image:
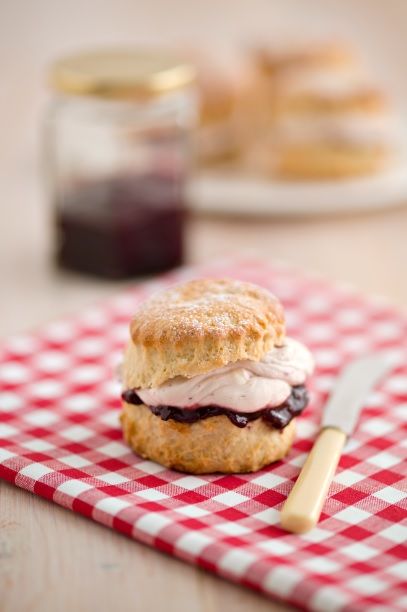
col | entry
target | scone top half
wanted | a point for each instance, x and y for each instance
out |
(198, 327)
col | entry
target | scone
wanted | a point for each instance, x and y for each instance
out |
(278, 58)
(211, 382)
(280, 72)
(335, 132)
(321, 118)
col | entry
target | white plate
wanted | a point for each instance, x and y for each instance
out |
(230, 194)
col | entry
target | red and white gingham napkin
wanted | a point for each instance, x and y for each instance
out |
(60, 438)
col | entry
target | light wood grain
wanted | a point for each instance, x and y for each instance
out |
(52, 560)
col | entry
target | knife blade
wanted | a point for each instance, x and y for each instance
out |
(303, 506)
(343, 407)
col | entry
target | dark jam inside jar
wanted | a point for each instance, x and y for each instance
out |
(123, 226)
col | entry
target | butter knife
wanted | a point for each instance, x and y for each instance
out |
(303, 507)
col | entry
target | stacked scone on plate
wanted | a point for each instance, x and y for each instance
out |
(211, 382)
(319, 114)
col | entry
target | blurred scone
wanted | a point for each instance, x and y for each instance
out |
(280, 58)
(211, 383)
(277, 70)
(319, 117)
(332, 134)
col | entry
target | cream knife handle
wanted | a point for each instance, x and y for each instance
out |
(303, 507)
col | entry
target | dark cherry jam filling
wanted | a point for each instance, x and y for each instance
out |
(277, 417)
(123, 226)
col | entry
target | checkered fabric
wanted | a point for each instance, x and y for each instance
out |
(60, 438)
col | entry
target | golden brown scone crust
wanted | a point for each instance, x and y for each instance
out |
(330, 161)
(207, 446)
(199, 326)
(332, 55)
(364, 99)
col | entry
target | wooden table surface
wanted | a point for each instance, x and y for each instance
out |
(52, 559)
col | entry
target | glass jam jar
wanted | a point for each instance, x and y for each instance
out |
(117, 155)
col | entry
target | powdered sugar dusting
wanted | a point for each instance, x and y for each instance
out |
(202, 307)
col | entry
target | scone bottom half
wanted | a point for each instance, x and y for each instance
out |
(210, 382)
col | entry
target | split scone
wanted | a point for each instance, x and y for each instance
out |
(211, 383)
(321, 118)
(332, 131)
(282, 75)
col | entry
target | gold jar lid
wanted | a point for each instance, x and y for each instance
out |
(121, 73)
